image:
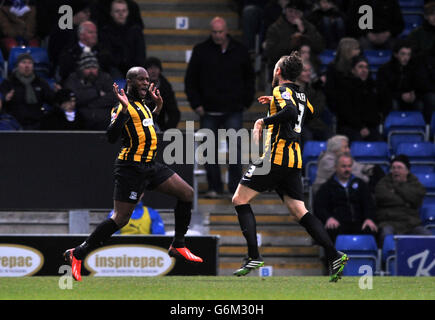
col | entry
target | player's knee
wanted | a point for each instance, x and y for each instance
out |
(121, 220)
(187, 194)
(238, 200)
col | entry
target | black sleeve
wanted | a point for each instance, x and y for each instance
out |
(288, 114)
(119, 119)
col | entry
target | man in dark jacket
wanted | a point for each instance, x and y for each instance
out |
(220, 85)
(423, 37)
(387, 23)
(94, 92)
(357, 110)
(344, 203)
(396, 80)
(286, 34)
(125, 40)
(169, 116)
(87, 40)
(27, 97)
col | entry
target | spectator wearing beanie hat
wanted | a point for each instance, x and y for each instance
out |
(26, 95)
(399, 196)
(93, 90)
(169, 115)
(64, 115)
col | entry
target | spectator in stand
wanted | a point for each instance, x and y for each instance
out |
(426, 82)
(94, 92)
(27, 97)
(329, 21)
(220, 85)
(272, 11)
(62, 38)
(397, 80)
(399, 196)
(253, 22)
(124, 40)
(87, 40)
(306, 56)
(101, 13)
(388, 23)
(339, 69)
(169, 116)
(17, 24)
(423, 37)
(64, 115)
(285, 35)
(344, 203)
(316, 128)
(336, 145)
(358, 112)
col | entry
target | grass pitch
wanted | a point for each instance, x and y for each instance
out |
(217, 288)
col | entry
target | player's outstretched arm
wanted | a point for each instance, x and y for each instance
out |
(118, 116)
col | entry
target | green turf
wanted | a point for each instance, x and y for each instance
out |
(217, 288)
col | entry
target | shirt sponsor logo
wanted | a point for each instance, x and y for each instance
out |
(147, 122)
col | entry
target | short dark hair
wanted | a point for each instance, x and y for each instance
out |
(401, 43)
(291, 66)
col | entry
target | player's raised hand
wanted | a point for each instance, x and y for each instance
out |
(122, 97)
(157, 98)
(265, 99)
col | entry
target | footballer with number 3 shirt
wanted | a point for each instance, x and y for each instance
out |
(288, 108)
(136, 170)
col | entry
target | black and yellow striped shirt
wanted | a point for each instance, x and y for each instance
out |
(287, 112)
(136, 127)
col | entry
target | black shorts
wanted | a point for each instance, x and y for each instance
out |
(284, 180)
(132, 178)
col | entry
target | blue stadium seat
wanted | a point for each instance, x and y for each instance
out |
(326, 57)
(39, 55)
(398, 138)
(412, 21)
(372, 152)
(389, 254)
(404, 123)
(428, 180)
(411, 6)
(432, 126)
(310, 153)
(427, 214)
(361, 249)
(312, 150)
(421, 155)
(121, 83)
(376, 58)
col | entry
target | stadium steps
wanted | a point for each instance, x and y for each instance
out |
(173, 46)
(285, 245)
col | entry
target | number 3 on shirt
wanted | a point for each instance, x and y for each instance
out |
(298, 123)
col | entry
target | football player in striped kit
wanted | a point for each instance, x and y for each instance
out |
(288, 108)
(136, 170)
